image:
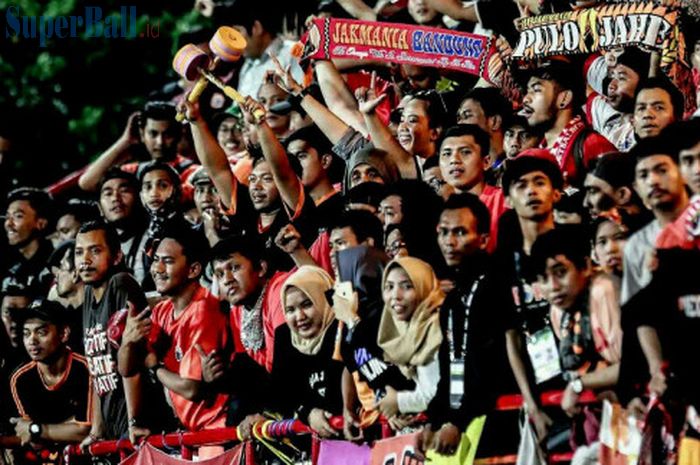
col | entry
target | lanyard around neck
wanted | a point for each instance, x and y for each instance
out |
(450, 325)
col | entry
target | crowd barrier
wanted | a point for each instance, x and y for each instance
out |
(186, 442)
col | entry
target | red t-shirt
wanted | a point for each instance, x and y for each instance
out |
(495, 201)
(203, 323)
(272, 316)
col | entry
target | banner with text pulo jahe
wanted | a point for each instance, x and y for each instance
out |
(645, 25)
(329, 38)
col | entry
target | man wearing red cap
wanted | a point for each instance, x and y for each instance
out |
(550, 107)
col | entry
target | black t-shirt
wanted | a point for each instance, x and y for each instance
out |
(528, 309)
(671, 305)
(101, 354)
(246, 221)
(33, 271)
(328, 211)
(362, 354)
(486, 370)
(69, 398)
(305, 382)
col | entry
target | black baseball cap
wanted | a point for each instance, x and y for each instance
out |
(45, 310)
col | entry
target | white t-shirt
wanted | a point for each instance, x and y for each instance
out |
(254, 69)
(615, 126)
(636, 274)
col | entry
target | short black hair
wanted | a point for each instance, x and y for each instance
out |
(682, 135)
(81, 210)
(480, 136)
(568, 240)
(159, 111)
(194, 244)
(654, 145)
(664, 84)
(313, 136)
(364, 225)
(247, 245)
(431, 162)
(116, 172)
(40, 201)
(111, 236)
(475, 205)
(60, 251)
(491, 101)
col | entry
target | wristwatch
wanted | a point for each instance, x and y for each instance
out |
(35, 430)
(576, 385)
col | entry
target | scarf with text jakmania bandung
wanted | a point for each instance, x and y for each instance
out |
(328, 38)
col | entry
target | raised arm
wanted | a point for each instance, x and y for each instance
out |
(285, 178)
(211, 154)
(380, 134)
(333, 127)
(337, 95)
(358, 9)
(454, 9)
(119, 151)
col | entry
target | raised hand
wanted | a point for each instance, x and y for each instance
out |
(131, 133)
(138, 325)
(367, 97)
(250, 107)
(286, 81)
(288, 239)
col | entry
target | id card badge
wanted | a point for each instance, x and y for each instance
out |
(544, 356)
(456, 383)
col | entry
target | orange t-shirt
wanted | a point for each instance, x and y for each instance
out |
(272, 316)
(202, 322)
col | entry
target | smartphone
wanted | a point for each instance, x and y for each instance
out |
(344, 289)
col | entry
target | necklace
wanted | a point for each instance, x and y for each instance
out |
(252, 335)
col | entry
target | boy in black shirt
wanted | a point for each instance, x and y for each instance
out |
(53, 393)
(532, 182)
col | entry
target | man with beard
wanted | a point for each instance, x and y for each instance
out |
(152, 133)
(660, 184)
(108, 290)
(612, 117)
(27, 223)
(121, 209)
(553, 95)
